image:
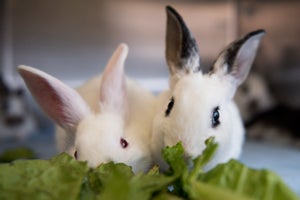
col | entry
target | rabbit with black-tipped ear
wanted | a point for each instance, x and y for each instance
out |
(199, 105)
(106, 119)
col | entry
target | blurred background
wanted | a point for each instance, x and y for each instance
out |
(73, 39)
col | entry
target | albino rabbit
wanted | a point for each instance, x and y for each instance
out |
(103, 122)
(199, 105)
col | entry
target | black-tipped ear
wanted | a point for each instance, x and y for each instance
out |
(236, 60)
(182, 52)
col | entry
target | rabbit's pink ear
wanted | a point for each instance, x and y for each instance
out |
(113, 94)
(182, 52)
(235, 61)
(59, 101)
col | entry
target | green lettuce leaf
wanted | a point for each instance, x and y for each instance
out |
(62, 177)
(202, 190)
(117, 181)
(15, 154)
(231, 180)
(257, 184)
(174, 156)
(58, 178)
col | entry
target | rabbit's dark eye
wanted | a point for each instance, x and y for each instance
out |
(124, 143)
(170, 106)
(215, 120)
(75, 155)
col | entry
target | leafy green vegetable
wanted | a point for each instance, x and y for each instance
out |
(231, 180)
(175, 158)
(58, 178)
(62, 177)
(117, 181)
(257, 184)
(17, 153)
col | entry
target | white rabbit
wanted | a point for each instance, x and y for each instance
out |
(103, 122)
(199, 105)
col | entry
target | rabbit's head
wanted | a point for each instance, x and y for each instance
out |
(99, 137)
(200, 105)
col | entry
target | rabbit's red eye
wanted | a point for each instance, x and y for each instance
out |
(75, 155)
(123, 143)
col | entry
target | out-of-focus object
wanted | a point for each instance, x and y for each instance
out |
(279, 57)
(253, 97)
(277, 125)
(16, 118)
(285, 86)
(17, 153)
(266, 118)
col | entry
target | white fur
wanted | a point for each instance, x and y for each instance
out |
(96, 136)
(196, 95)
